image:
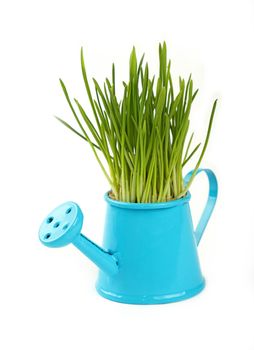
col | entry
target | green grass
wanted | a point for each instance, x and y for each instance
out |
(143, 137)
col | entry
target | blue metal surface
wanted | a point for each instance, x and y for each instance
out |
(63, 225)
(149, 253)
(211, 200)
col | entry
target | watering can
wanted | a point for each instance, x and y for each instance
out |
(149, 252)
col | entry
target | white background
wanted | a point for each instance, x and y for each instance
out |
(47, 297)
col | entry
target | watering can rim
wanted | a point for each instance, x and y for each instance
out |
(138, 206)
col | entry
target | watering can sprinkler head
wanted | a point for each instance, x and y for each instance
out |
(63, 226)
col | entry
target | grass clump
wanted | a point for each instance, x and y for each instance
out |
(142, 136)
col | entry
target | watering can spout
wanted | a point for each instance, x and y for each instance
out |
(62, 227)
(105, 260)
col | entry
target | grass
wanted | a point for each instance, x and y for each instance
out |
(143, 137)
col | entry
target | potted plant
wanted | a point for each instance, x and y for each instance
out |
(149, 251)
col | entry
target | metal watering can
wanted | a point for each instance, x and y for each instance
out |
(149, 253)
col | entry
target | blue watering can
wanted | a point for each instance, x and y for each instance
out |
(149, 253)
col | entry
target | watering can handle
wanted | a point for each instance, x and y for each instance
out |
(211, 200)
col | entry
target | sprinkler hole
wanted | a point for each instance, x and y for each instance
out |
(50, 219)
(47, 235)
(65, 226)
(68, 211)
(56, 224)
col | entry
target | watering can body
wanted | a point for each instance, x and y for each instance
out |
(149, 252)
(156, 252)
(156, 248)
